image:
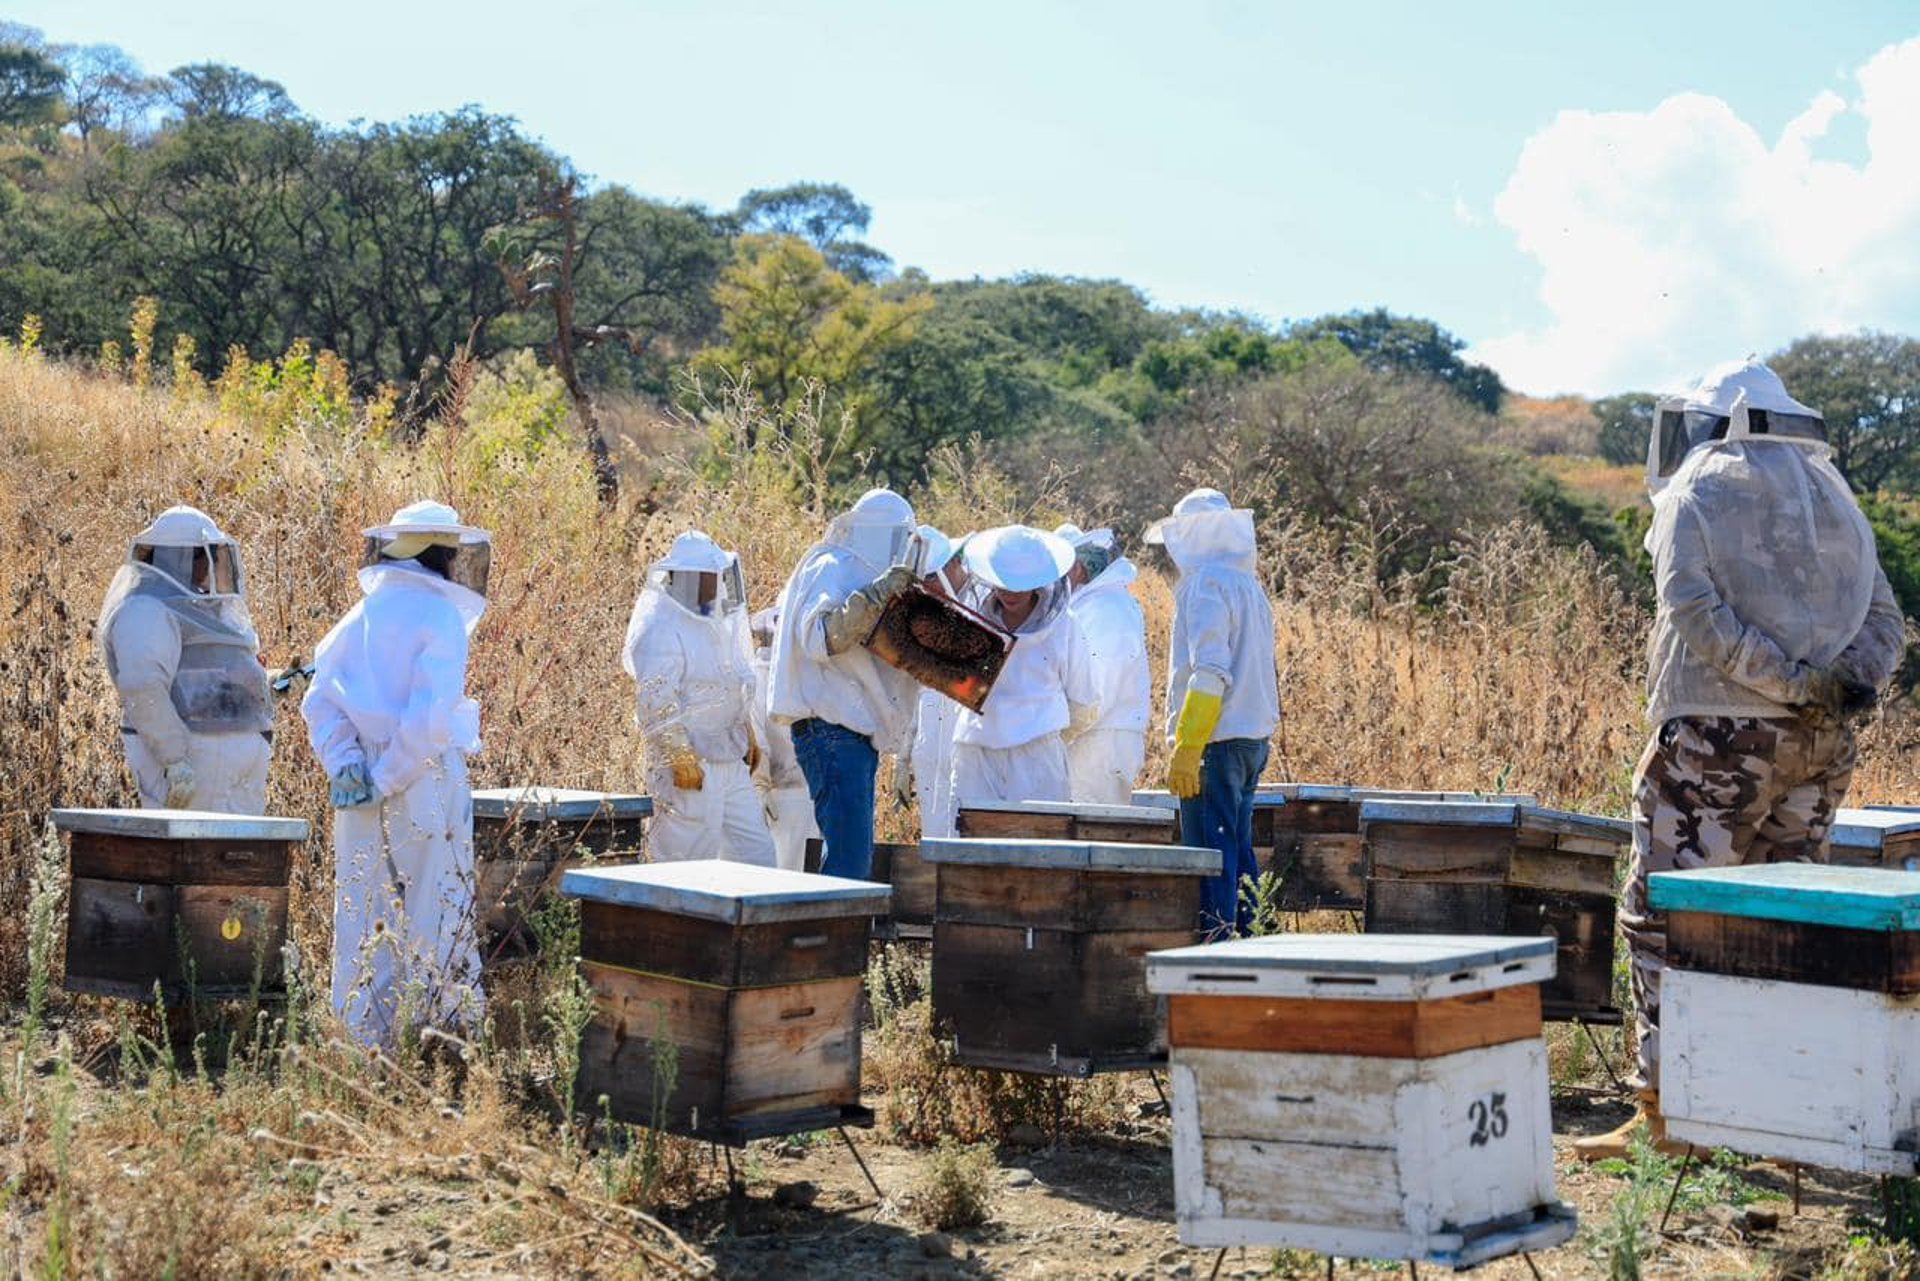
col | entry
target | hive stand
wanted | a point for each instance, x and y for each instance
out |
(525, 838)
(1789, 1024)
(191, 901)
(1039, 947)
(1879, 836)
(1362, 1096)
(751, 976)
(1503, 868)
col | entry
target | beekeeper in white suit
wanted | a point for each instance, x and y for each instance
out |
(1015, 747)
(390, 720)
(843, 705)
(691, 661)
(1104, 763)
(195, 713)
(1223, 696)
(943, 574)
(783, 787)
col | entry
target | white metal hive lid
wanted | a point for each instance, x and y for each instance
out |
(182, 825)
(1156, 799)
(1073, 856)
(1870, 828)
(734, 893)
(557, 804)
(1353, 967)
(1157, 815)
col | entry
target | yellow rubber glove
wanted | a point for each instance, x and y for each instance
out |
(1199, 713)
(687, 774)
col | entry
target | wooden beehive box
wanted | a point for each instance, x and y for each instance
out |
(744, 980)
(899, 866)
(1068, 821)
(1879, 836)
(525, 838)
(1039, 947)
(1371, 1097)
(193, 902)
(1790, 1013)
(1508, 867)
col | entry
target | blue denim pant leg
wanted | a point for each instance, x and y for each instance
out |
(839, 766)
(1221, 818)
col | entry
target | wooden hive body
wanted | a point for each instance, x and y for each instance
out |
(1039, 949)
(1365, 1097)
(525, 839)
(727, 997)
(1068, 821)
(194, 902)
(1790, 1013)
(1882, 836)
(1507, 868)
(899, 866)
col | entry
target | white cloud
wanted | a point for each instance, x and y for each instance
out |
(1674, 238)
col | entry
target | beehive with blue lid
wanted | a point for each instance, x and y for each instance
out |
(1790, 1012)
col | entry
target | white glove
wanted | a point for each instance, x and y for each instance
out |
(179, 778)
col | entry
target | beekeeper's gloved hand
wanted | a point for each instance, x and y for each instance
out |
(351, 787)
(688, 776)
(179, 777)
(854, 621)
(1199, 714)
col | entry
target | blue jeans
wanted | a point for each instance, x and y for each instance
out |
(839, 766)
(1221, 818)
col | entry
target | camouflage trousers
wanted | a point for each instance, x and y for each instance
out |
(1721, 792)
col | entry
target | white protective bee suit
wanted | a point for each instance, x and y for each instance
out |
(195, 712)
(938, 718)
(691, 660)
(1015, 748)
(784, 788)
(389, 718)
(1104, 763)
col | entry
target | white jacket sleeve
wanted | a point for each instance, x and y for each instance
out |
(1684, 586)
(660, 673)
(1877, 647)
(1081, 682)
(146, 652)
(330, 732)
(438, 715)
(815, 602)
(1210, 632)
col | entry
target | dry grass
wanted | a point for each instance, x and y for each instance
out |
(1526, 678)
(1615, 486)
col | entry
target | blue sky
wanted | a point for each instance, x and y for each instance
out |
(1597, 196)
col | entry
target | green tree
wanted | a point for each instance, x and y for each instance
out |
(1867, 385)
(1626, 423)
(1408, 344)
(215, 91)
(30, 85)
(825, 215)
(790, 319)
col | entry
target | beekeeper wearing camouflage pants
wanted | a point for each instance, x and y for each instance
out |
(1775, 627)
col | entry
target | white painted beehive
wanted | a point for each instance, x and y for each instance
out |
(1790, 1013)
(1368, 1097)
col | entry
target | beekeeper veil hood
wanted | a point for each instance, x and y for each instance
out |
(877, 529)
(1206, 529)
(1095, 549)
(192, 567)
(432, 535)
(1741, 400)
(700, 576)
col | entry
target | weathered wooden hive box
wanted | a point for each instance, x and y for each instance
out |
(899, 866)
(726, 996)
(194, 902)
(1371, 1097)
(1790, 1013)
(525, 838)
(1880, 836)
(1039, 949)
(1068, 821)
(1308, 835)
(1507, 867)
